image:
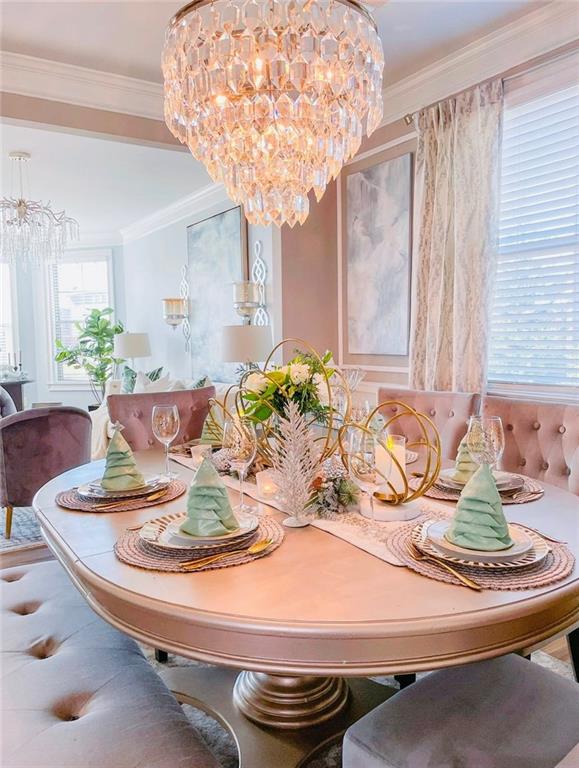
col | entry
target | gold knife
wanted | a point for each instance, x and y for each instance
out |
(416, 554)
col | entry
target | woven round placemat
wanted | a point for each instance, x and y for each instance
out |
(557, 565)
(71, 500)
(531, 491)
(131, 549)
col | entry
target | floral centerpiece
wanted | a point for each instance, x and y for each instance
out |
(303, 381)
(333, 492)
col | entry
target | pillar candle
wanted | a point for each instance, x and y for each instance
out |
(395, 446)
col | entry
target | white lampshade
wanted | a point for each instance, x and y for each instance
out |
(245, 343)
(131, 345)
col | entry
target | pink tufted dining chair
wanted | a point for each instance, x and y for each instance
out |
(134, 413)
(35, 446)
(541, 439)
(450, 412)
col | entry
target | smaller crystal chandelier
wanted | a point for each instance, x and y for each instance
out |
(30, 231)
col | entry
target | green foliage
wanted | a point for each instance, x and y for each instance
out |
(94, 349)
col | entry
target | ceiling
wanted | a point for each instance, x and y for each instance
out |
(105, 185)
(127, 37)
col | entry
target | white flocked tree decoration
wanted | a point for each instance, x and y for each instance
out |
(295, 463)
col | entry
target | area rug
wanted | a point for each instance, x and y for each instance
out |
(223, 746)
(25, 529)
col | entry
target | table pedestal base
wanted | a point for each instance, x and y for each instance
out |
(292, 737)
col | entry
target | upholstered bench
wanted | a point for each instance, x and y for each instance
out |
(75, 692)
(503, 713)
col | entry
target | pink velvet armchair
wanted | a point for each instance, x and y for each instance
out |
(541, 439)
(35, 446)
(450, 412)
(134, 413)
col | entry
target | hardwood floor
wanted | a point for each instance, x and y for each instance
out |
(559, 649)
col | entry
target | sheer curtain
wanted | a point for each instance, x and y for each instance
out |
(457, 178)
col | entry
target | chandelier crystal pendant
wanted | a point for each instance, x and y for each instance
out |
(273, 96)
(30, 231)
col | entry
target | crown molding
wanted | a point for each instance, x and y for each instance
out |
(533, 35)
(54, 81)
(192, 205)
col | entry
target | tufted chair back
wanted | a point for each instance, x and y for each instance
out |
(450, 412)
(134, 413)
(37, 445)
(541, 439)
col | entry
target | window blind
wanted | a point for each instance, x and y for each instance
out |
(534, 332)
(77, 284)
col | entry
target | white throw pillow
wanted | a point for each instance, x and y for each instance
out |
(176, 386)
(143, 384)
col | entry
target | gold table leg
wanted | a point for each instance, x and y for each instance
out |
(290, 739)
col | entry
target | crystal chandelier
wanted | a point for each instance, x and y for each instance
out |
(273, 96)
(31, 232)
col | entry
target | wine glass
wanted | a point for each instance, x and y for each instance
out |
(485, 439)
(165, 422)
(362, 466)
(240, 442)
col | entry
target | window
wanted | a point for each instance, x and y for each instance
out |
(7, 313)
(79, 283)
(534, 332)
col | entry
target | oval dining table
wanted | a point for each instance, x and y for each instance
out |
(295, 633)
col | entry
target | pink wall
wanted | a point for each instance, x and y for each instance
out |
(310, 276)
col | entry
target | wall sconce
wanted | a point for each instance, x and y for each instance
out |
(176, 310)
(246, 299)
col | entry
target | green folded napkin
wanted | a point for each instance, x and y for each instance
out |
(464, 466)
(479, 521)
(121, 472)
(208, 509)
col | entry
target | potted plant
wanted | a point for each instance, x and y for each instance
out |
(93, 351)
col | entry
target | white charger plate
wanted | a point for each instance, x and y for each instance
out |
(521, 545)
(96, 492)
(505, 481)
(166, 534)
(538, 552)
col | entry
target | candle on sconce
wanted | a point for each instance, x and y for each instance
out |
(267, 488)
(393, 445)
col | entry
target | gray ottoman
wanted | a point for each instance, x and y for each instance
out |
(503, 713)
(75, 692)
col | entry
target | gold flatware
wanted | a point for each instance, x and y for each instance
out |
(540, 533)
(254, 549)
(121, 502)
(416, 554)
(532, 495)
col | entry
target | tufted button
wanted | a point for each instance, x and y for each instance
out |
(567, 471)
(72, 707)
(562, 430)
(432, 412)
(536, 425)
(137, 414)
(450, 414)
(150, 441)
(394, 409)
(186, 438)
(545, 465)
(523, 462)
(43, 649)
(25, 609)
(12, 577)
(510, 427)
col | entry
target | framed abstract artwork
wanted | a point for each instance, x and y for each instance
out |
(376, 213)
(217, 257)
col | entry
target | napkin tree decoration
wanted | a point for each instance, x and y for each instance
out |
(465, 466)
(295, 463)
(209, 512)
(479, 521)
(121, 471)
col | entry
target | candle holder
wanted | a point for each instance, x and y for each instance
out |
(394, 488)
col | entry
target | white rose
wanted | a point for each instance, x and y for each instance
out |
(256, 382)
(299, 373)
(321, 388)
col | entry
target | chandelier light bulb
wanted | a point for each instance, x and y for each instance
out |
(273, 96)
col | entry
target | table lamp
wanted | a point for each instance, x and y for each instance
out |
(128, 346)
(245, 343)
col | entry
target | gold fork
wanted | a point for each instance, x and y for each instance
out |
(416, 554)
(120, 503)
(259, 546)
